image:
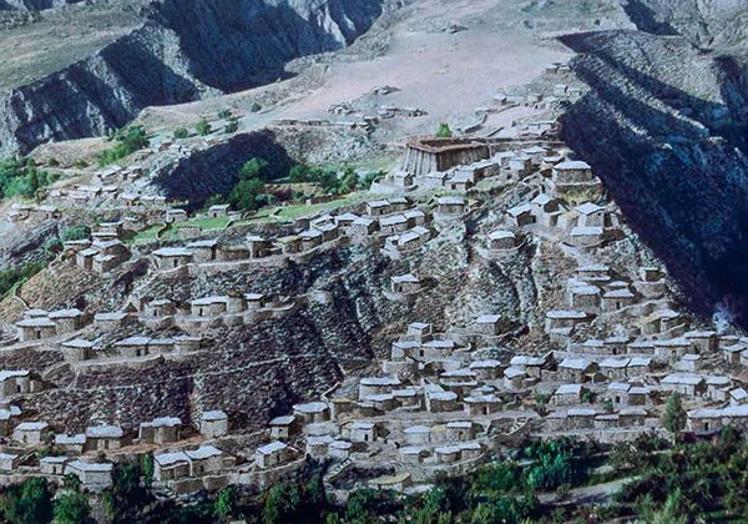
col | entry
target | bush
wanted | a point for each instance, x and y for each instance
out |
(21, 177)
(71, 508)
(247, 194)
(11, 277)
(255, 107)
(443, 131)
(232, 126)
(181, 133)
(203, 127)
(223, 114)
(27, 503)
(79, 232)
(128, 140)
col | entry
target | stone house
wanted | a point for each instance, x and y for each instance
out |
(460, 430)
(170, 258)
(363, 431)
(312, 412)
(205, 460)
(30, 329)
(546, 209)
(590, 215)
(575, 370)
(482, 405)
(104, 437)
(417, 435)
(614, 368)
(77, 350)
(617, 299)
(171, 466)
(67, 320)
(586, 236)
(271, 455)
(684, 383)
(15, 382)
(500, 240)
(283, 427)
(585, 298)
(53, 465)
(204, 251)
(489, 325)
(111, 320)
(217, 211)
(73, 444)
(32, 433)
(9, 462)
(567, 395)
(405, 284)
(486, 370)
(214, 424)
(161, 430)
(442, 401)
(133, 347)
(702, 341)
(95, 477)
(520, 215)
(450, 206)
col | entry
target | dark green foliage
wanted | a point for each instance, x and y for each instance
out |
(223, 114)
(443, 131)
(255, 107)
(27, 503)
(225, 503)
(71, 507)
(127, 141)
(22, 178)
(232, 126)
(181, 133)
(674, 417)
(79, 232)
(127, 495)
(17, 275)
(52, 246)
(329, 181)
(288, 502)
(203, 127)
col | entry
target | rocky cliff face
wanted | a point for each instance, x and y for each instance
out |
(185, 50)
(34, 5)
(664, 126)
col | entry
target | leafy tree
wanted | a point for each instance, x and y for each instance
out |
(79, 232)
(225, 503)
(253, 167)
(21, 177)
(181, 133)
(127, 141)
(27, 503)
(443, 131)
(247, 194)
(674, 416)
(71, 508)
(232, 126)
(203, 127)
(146, 465)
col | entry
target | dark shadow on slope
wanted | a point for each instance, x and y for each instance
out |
(233, 45)
(684, 193)
(216, 170)
(645, 18)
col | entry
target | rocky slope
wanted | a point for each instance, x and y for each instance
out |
(664, 126)
(185, 50)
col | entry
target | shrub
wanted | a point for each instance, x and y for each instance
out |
(79, 232)
(128, 140)
(232, 126)
(27, 503)
(255, 107)
(21, 177)
(181, 133)
(224, 114)
(71, 508)
(443, 131)
(203, 127)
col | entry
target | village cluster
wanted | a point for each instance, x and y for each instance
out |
(442, 401)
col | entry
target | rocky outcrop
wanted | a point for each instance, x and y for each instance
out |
(34, 5)
(186, 49)
(664, 126)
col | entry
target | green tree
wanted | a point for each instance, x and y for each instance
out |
(443, 131)
(71, 508)
(79, 232)
(146, 465)
(27, 503)
(127, 141)
(674, 416)
(224, 114)
(203, 127)
(253, 167)
(224, 504)
(232, 126)
(255, 107)
(181, 133)
(246, 194)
